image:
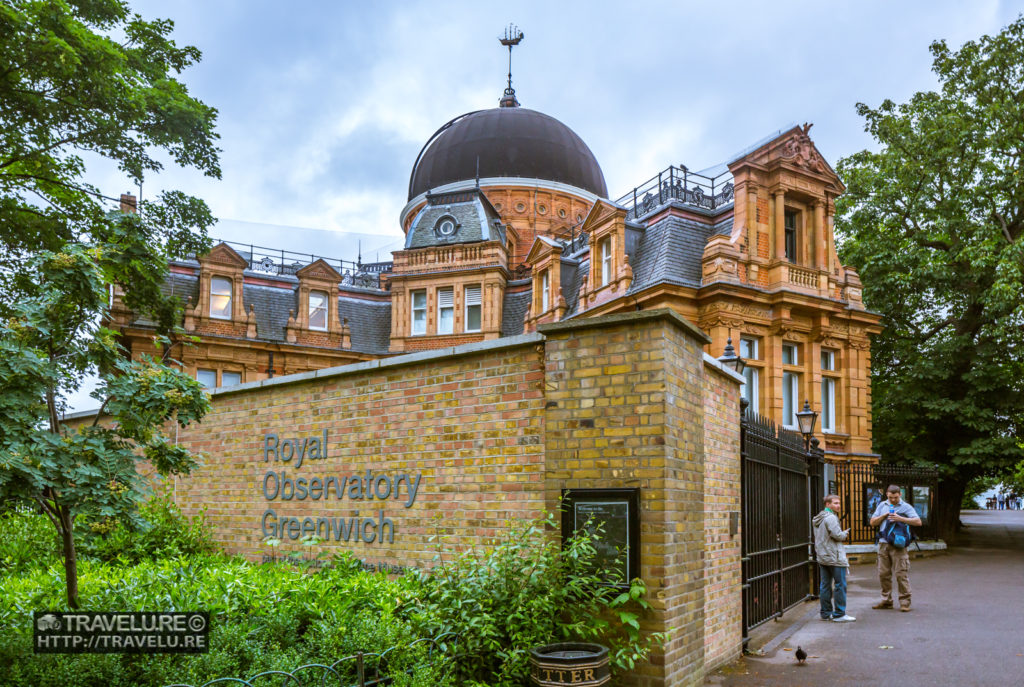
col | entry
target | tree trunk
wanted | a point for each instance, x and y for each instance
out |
(947, 507)
(70, 557)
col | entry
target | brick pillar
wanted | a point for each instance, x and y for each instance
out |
(625, 408)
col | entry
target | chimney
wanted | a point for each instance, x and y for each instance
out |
(128, 203)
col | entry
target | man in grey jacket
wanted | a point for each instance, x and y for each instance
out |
(832, 563)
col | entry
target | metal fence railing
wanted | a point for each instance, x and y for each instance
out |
(358, 670)
(679, 183)
(862, 487)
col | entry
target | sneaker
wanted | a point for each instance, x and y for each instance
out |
(883, 604)
(905, 609)
(844, 619)
(825, 617)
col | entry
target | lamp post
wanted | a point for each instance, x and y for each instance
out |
(806, 419)
(731, 360)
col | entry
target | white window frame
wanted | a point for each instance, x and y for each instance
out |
(325, 308)
(795, 357)
(752, 345)
(749, 389)
(214, 293)
(446, 310)
(828, 405)
(421, 310)
(828, 360)
(199, 374)
(545, 290)
(790, 381)
(605, 248)
(230, 372)
(473, 295)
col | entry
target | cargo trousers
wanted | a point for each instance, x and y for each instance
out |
(894, 561)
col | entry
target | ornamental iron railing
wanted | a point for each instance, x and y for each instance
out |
(682, 185)
(862, 486)
(286, 262)
(780, 481)
(358, 670)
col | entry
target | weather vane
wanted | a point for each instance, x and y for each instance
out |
(512, 37)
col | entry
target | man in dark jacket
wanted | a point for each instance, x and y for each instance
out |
(832, 563)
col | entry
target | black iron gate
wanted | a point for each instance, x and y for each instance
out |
(781, 484)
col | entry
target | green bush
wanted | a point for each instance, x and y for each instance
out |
(159, 531)
(527, 591)
(27, 540)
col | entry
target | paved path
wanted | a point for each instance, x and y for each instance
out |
(967, 626)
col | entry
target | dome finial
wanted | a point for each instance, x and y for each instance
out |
(512, 37)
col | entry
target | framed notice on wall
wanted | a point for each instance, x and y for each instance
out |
(613, 516)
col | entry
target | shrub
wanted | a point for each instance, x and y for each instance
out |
(159, 531)
(527, 591)
(27, 540)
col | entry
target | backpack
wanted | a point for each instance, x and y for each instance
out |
(897, 534)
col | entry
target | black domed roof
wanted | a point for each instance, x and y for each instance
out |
(508, 142)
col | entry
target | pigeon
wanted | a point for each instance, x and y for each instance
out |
(801, 656)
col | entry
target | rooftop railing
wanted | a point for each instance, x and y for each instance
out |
(679, 183)
(285, 262)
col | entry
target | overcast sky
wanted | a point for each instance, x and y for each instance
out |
(324, 106)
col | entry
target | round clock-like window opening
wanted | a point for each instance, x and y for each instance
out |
(561, 213)
(446, 227)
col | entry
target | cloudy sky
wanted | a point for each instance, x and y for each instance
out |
(325, 105)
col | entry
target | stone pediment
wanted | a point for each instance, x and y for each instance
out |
(600, 213)
(794, 148)
(223, 254)
(541, 248)
(319, 270)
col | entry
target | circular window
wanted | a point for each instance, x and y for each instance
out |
(542, 209)
(497, 206)
(446, 227)
(579, 218)
(561, 213)
(520, 207)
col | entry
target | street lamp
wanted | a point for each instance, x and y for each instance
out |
(806, 419)
(730, 360)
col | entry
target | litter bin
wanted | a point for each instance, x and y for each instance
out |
(570, 663)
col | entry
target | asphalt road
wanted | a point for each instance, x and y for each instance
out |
(967, 626)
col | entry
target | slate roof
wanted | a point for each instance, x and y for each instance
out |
(670, 251)
(369, 321)
(369, 324)
(475, 220)
(513, 311)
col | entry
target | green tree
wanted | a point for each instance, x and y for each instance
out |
(87, 80)
(933, 222)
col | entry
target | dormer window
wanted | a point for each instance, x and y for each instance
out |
(318, 310)
(220, 298)
(605, 249)
(446, 226)
(790, 228)
(545, 291)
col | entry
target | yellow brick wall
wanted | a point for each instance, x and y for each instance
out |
(722, 573)
(471, 426)
(496, 431)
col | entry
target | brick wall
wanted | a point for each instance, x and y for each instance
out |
(722, 572)
(495, 432)
(469, 425)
